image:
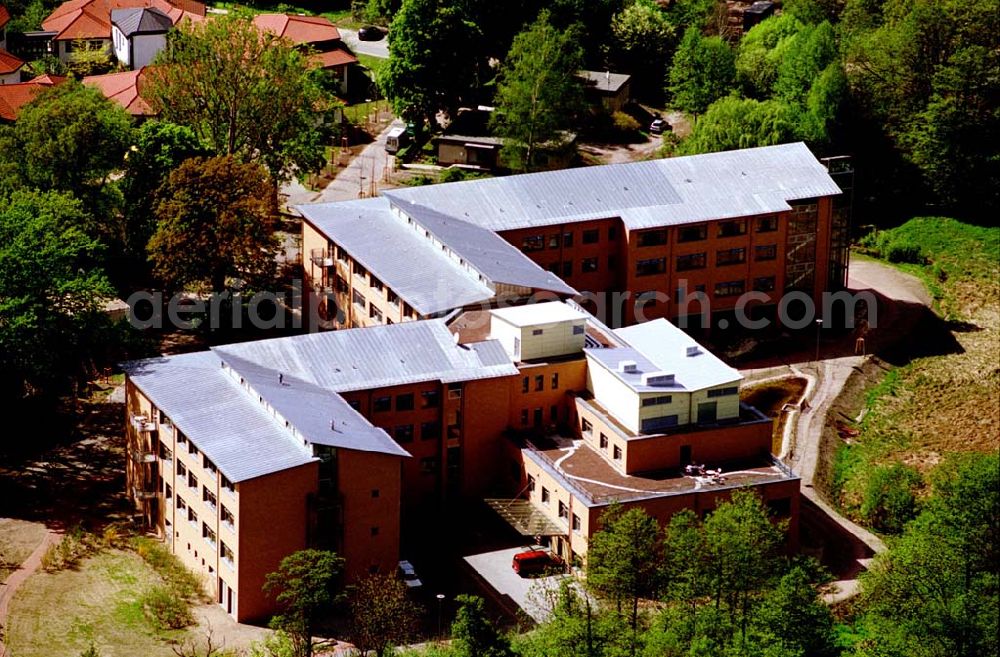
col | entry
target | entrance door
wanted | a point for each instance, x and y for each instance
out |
(538, 417)
(707, 413)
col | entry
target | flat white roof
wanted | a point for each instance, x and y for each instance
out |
(534, 314)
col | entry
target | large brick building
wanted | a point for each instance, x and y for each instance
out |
(244, 453)
(678, 235)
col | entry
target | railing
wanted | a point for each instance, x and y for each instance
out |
(321, 257)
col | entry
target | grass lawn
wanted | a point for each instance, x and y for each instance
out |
(18, 539)
(936, 405)
(62, 613)
(341, 17)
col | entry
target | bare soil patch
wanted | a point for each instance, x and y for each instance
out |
(770, 399)
(18, 539)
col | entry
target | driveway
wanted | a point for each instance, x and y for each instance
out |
(371, 48)
(533, 595)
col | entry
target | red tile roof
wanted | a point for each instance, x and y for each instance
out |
(91, 19)
(338, 57)
(15, 96)
(123, 88)
(9, 63)
(4, 16)
(298, 29)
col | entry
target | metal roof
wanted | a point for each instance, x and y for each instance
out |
(241, 438)
(483, 249)
(603, 80)
(141, 20)
(533, 314)
(374, 357)
(428, 280)
(644, 194)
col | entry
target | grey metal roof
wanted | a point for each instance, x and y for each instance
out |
(209, 407)
(428, 280)
(604, 80)
(644, 194)
(140, 20)
(486, 251)
(374, 357)
(319, 415)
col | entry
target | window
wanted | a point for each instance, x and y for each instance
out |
(732, 228)
(567, 269)
(165, 453)
(724, 392)
(563, 510)
(579, 329)
(168, 492)
(391, 297)
(192, 481)
(342, 285)
(539, 382)
(212, 471)
(404, 402)
(430, 431)
(375, 493)
(228, 486)
(692, 233)
(358, 299)
(192, 517)
(591, 236)
(657, 401)
(545, 495)
(763, 284)
(430, 399)
(382, 404)
(553, 413)
(181, 439)
(376, 283)
(588, 265)
(650, 266)
(403, 433)
(531, 484)
(555, 380)
(355, 404)
(767, 224)
(374, 313)
(537, 331)
(227, 516)
(617, 453)
(374, 531)
(765, 252)
(208, 534)
(567, 239)
(181, 504)
(208, 497)
(612, 232)
(586, 426)
(360, 271)
(729, 288)
(576, 523)
(604, 441)
(730, 256)
(533, 243)
(192, 450)
(226, 554)
(612, 262)
(525, 384)
(653, 238)
(342, 255)
(428, 465)
(690, 261)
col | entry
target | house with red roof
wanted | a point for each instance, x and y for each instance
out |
(91, 20)
(124, 88)
(317, 34)
(15, 96)
(10, 66)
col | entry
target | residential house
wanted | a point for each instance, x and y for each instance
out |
(15, 96)
(139, 34)
(676, 238)
(608, 90)
(10, 66)
(316, 33)
(124, 88)
(90, 21)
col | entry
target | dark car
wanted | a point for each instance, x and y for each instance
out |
(370, 33)
(658, 126)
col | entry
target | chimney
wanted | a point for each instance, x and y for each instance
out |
(693, 351)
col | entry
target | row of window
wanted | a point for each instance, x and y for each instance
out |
(539, 416)
(692, 261)
(727, 288)
(405, 401)
(404, 433)
(540, 381)
(724, 392)
(563, 509)
(555, 240)
(616, 452)
(733, 228)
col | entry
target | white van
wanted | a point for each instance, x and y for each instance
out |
(396, 139)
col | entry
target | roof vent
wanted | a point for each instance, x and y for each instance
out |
(693, 351)
(628, 367)
(657, 379)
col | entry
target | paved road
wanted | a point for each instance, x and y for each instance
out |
(891, 283)
(372, 48)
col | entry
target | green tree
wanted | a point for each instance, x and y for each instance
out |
(159, 148)
(684, 575)
(703, 70)
(215, 220)
(761, 52)
(642, 41)
(732, 123)
(539, 94)
(577, 627)
(473, 635)
(246, 94)
(382, 616)
(622, 563)
(792, 620)
(89, 58)
(51, 291)
(890, 497)
(810, 51)
(434, 61)
(305, 586)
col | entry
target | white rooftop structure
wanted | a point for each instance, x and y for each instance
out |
(534, 314)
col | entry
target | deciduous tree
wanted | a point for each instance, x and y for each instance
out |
(473, 634)
(703, 70)
(642, 41)
(382, 615)
(305, 586)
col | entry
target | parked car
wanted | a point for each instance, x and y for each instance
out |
(407, 573)
(535, 562)
(370, 33)
(658, 126)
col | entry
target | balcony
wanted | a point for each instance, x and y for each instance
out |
(144, 457)
(321, 257)
(142, 424)
(141, 494)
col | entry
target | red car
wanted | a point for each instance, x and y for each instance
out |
(535, 562)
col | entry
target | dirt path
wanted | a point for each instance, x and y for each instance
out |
(28, 567)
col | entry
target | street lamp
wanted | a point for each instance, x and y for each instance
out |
(819, 323)
(440, 599)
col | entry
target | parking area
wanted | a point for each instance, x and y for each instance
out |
(531, 594)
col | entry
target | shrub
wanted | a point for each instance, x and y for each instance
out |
(165, 609)
(900, 251)
(182, 582)
(624, 123)
(889, 500)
